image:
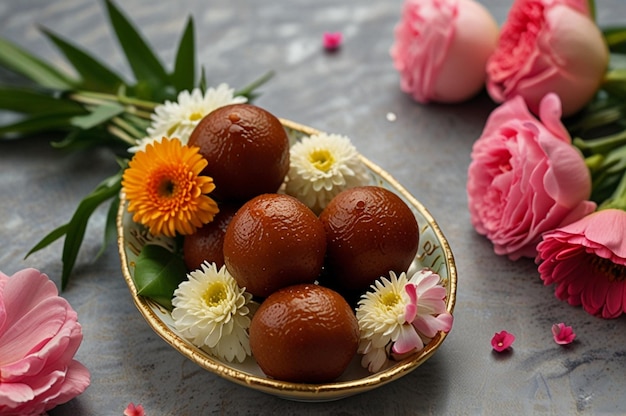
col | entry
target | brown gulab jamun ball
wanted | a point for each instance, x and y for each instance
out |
(247, 149)
(274, 241)
(369, 232)
(207, 242)
(304, 333)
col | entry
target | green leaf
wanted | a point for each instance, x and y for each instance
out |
(142, 60)
(78, 223)
(158, 272)
(98, 115)
(35, 124)
(19, 60)
(110, 226)
(249, 90)
(615, 38)
(74, 230)
(184, 75)
(50, 238)
(30, 101)
(95, 75)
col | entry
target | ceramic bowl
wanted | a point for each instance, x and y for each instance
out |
(434, 252)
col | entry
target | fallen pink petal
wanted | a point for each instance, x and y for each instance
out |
(563, 334)
(134, 410)
(502, 340)
(332, 40)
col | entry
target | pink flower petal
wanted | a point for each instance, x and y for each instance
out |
(132, 410)
(332, 40)
(39, 335)
(502, 340)
(411, 307)
(563, 334)
(429, 325)
(408, 340)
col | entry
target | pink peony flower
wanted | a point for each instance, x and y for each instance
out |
(548, 46)
(441, 49)
(525, 178)
(586, 260)
(39, 335)
(502, 340)
(563, 334)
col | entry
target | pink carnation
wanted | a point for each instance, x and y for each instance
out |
(441, 48)
(39, 335)
(586, 261)
(548, 46)
(526, 177)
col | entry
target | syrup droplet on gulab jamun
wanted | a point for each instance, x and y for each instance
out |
(247, 150)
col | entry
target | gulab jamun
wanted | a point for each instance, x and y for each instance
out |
(274, 240)
(247, 148)
(370, 231)
(304, 333)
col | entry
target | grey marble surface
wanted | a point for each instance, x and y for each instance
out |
(349, 92)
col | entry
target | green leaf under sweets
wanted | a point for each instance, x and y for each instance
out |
(142, 60)
(95, 75)
(98, 115)
(158, 272)
(22, 62)
(184, 75)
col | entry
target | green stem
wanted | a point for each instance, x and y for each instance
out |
(601, 145)
(128, 127)
(90, 97)
(618, 199)
(121, 134)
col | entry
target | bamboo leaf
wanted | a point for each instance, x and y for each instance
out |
(144, 63)
(98, 115)
(95, 75)
(50, 238)
(158, 272)
(249, 90)
(184, 75)
(79, 139)
(78, 223)
(30, 101)
(35, 124)
(110, 226)
(19, 60)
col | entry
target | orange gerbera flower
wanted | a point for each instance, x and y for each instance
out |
(165, 190)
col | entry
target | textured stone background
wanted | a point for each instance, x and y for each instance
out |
(350, 92)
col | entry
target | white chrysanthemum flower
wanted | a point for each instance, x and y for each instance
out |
(178, 119)
(212, 312)
(400, 315)
(381, 317)
(321, 166)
